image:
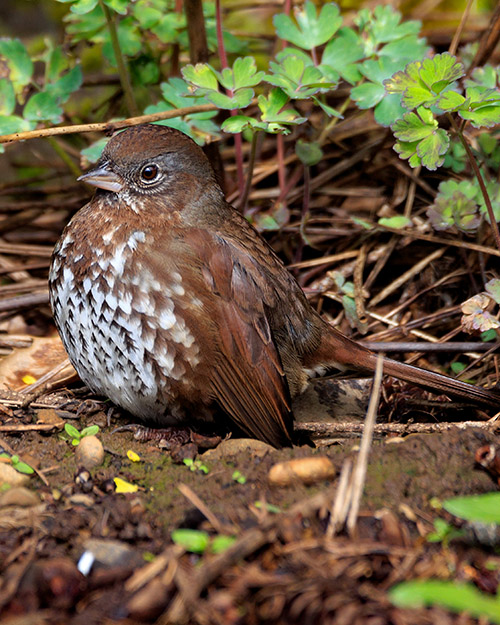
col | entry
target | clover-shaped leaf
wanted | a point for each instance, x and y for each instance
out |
(310, 153)
(420, 140)
(476, 316)
(18, 62)
(485, 76)
(482, 107)
(243, 74)
(493, 289)
(43, 106)
(457, 211)
(342, 52)
(467, 188)
(384, 25)
(297, 78)
(372, 93)
(7, 97)
(422, 82)
(201, 75)
(493, 191)
(310, 30)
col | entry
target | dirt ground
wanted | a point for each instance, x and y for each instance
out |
(284, 565)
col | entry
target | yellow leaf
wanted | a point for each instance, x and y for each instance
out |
(131, 455)
(28, 379)
(124, 487)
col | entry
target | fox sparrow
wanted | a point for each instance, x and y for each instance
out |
(169, 303)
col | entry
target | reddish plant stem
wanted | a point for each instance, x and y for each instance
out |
(238, 143)
(482, 186)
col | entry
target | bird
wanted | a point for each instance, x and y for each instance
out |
(173, 306)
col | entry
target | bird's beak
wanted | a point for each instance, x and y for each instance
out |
(103, 178)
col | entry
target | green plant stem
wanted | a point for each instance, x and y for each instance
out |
(477, 172)
(333, 122)
(67, 160)
(251, 163)
(120, 62)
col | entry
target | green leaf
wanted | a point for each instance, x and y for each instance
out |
(120, 6)
(453, 596)
(66, 85)
(55, 63)
(22, 467)
(412, 127)
(367, 95)
(489, 335)
(43, 106)
(94, 151)
(342, 52)
(129, 38)
(243, 74)
(384, 25)
(297, 78)
(422, 82)
(221, 543)
(7, 97)
(200, 75)
(450, 101)
(239, 123)
(441, 71)
(9, 124)
(405, 49)
(398, 221)
(81, 7)
(310, 30)
(388, 110)
(91, 430)
(484, 508)
(18, 62)
(486, 116)
(458, 367)
(432, 149)
(194, 541)
(309, 153)
(71, 431)
(456, 210)
(485, 76)
(493, 289)
(240, 100)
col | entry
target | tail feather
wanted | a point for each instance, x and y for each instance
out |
(340, 352)
(437, 382)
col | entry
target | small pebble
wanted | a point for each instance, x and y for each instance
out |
(89, 452)
(19, 496)
(8, 475)
(305, 470)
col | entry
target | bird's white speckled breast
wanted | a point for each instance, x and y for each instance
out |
(119, 323)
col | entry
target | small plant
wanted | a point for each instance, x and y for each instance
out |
(197, 541)
(239, 477)
(77, 436)
(17, 464)
(196, 465)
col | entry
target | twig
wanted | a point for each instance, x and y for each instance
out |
(409, 346)
(359, 472)
(106, 126)
(191, 496)
(350, 428)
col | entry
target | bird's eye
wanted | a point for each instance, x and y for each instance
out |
(149, 173)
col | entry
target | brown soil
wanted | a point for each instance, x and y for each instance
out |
(282, 568)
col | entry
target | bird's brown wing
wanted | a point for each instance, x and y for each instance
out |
(247, 376)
